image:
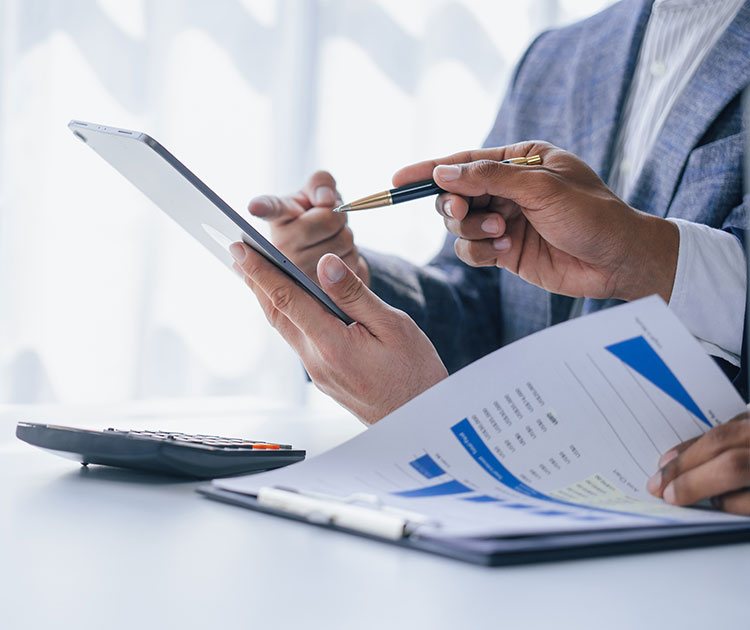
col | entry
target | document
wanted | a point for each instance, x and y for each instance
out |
(557, 432)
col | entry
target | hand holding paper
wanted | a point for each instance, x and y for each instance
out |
(372, 366)
(715, 465)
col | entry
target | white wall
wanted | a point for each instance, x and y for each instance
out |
(101, 297)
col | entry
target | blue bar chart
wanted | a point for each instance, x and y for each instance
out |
(638, 354)
(427, 467)
(441, 489)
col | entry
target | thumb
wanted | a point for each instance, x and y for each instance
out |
(488, 177)
(349, 293)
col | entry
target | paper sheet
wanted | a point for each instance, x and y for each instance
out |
(556, 432)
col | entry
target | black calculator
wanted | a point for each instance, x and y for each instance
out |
(165, 452)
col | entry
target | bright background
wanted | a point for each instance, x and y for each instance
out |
(103, 299)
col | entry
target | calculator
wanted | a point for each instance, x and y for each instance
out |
(164, 452)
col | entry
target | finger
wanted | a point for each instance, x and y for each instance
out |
(320, 224)
(452, 206)
(285, 295)
(292, 335)
(341, 244)
(737, 502)
(504, 207)
(320, 189)
(726, 472)
(351, 295)
(515, 182)
(482, 202)
(424, 170)
(238, 270)
(676, 450)
(278, 320)
(721, 438)
(487, 252)
(477, 226)
(275, 209)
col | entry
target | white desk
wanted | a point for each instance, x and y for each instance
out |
(101, 548)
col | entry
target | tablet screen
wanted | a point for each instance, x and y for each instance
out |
(185, 198)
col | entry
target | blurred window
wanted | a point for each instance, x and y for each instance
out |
(101, 297)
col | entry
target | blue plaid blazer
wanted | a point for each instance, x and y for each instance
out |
(569, 89)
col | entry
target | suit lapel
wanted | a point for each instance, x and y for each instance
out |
(603, 73)
(719, 79)
(606, 60)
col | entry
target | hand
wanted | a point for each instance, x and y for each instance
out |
(556, 225)
(304, 227)
(370, 367)
(715, 465)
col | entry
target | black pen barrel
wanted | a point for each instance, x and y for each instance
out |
(417, 190)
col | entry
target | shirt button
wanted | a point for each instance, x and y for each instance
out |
(626, 165)
(658, 68)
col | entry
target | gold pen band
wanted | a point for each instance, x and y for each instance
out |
(378, 200)
(528, 161)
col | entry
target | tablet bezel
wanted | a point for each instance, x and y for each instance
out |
(115, 135)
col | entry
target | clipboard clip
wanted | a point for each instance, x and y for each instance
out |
(361, 512)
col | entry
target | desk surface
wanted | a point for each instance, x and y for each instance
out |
(114, 549)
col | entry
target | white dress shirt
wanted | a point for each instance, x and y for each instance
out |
(708, 294)
(709, 288)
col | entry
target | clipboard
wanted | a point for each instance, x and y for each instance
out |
(516, 550)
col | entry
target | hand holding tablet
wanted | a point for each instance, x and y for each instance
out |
(371, 367)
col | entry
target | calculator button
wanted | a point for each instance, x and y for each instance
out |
(201, 439)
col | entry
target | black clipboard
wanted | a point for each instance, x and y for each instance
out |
(507, 551)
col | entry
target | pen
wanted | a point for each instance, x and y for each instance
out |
(417, 190)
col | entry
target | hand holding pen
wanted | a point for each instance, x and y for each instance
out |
(555, 224)
(303, 227)
(416, 190)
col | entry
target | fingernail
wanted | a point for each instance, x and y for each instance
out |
(654, 483)
(666, 458)
(447, 172)
(669, 493)
(334, 269)
(491, 225)
(238, 251)
(447, 208)
(501, 244)
(258, 208)
(324, 196)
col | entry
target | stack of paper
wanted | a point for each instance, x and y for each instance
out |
(557, 432)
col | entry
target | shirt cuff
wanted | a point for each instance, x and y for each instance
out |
(709, 288)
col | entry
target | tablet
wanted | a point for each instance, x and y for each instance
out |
(178, 192)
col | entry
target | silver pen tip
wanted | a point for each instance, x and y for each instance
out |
(345, 208)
